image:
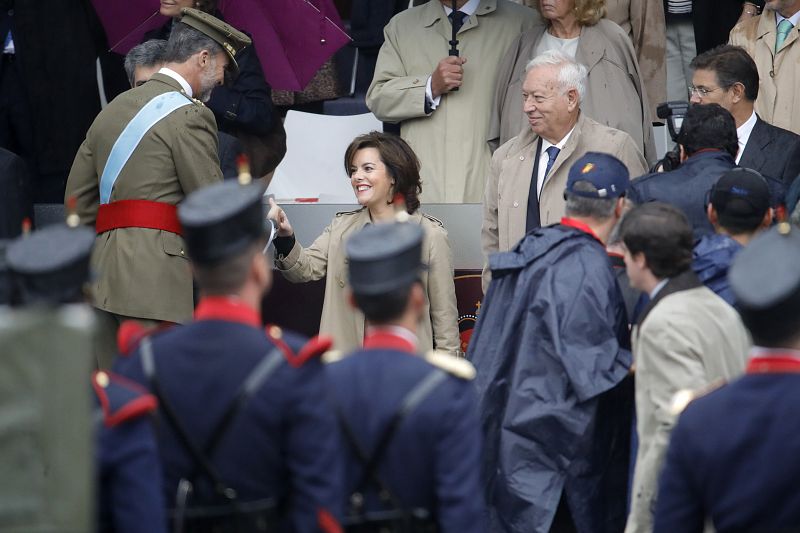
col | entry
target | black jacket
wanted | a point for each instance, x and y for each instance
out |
(773, 152)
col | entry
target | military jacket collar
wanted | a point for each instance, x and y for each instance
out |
(229, 309)
(390, 338)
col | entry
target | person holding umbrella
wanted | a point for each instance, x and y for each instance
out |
(381, 167)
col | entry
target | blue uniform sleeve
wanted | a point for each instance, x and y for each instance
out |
(458, 453)
(679, 506)
(131, 479)
(247, 102)
(312, 445)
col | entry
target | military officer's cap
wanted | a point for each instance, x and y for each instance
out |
(766, 281)
(222, 220)
(384, 257)
(51, 265)
(231, 39)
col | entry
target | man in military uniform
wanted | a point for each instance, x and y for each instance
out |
(410, 422)
(144, 152)
(732, 458)
(248, 437)
(49, 270)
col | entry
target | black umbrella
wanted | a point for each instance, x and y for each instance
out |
(454, 40)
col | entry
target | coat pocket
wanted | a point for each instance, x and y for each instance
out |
(173, 244)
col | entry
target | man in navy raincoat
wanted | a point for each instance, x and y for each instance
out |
(551, 351)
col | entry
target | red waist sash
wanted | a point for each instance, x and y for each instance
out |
(137, 214)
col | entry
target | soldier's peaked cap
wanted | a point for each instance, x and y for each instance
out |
(764, 276)
(384, 257)
(222, 220)
(231, 39)
(51, 264)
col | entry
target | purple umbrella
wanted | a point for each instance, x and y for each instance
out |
(293, 38)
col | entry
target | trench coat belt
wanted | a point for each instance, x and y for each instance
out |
(137, 214)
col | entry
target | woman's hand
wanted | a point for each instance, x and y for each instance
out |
(277, 215)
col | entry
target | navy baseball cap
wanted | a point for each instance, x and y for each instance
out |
(741, 194)
(608, 175)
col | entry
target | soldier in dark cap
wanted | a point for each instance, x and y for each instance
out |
(50, 271)
(732, 458)
(249, 440)
(551, 348)
(143, 154)
(409, 421)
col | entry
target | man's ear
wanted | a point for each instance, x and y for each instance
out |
(682, 152)
(711, 213)
(620, 207)
(738, 92)
(572, 99)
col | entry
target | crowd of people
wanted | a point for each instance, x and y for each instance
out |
(635, 356)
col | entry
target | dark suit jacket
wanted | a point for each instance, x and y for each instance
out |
(14, 194)
(773, 152)
(229, 150)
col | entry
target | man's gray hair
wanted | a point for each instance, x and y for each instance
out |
(600, 209)
(185, 41)
(571, 74)
(148, 54)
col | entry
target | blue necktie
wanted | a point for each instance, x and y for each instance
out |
(457, 19)
(552, 153)
(784, 28)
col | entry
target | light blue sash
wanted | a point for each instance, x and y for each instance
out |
(147, 117)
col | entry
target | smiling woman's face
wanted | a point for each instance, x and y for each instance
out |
(172, 8)
(369, 178)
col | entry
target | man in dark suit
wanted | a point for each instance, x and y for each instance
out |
(728, 76)
(732, 458)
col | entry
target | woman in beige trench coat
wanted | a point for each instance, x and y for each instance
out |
(380, 166)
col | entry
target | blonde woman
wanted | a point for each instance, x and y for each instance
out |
(615, 95)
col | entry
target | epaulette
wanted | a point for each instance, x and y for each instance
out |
(198, 102)
(313, 348)
(433, 219)
(121, 399)
(458, 366)
(131, 333)
(353, 212)
(332, 356)
(682, 398)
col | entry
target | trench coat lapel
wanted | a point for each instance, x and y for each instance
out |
(568, 149)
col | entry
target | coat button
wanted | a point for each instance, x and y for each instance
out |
(522, 158)
(516, 204)
(341, 284)
(182, 252)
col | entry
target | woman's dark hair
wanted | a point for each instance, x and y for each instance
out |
(708, 126)
(400, 160)
(663, 234)
(208, 6)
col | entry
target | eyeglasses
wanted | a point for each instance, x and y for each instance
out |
(702, 91)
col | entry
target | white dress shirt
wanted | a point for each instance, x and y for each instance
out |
(544, 157)
(743, 133)
(177, 77)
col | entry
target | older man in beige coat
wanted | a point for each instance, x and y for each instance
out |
(525, 189)
(449, 131)
(687, 338)
(778, 99)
